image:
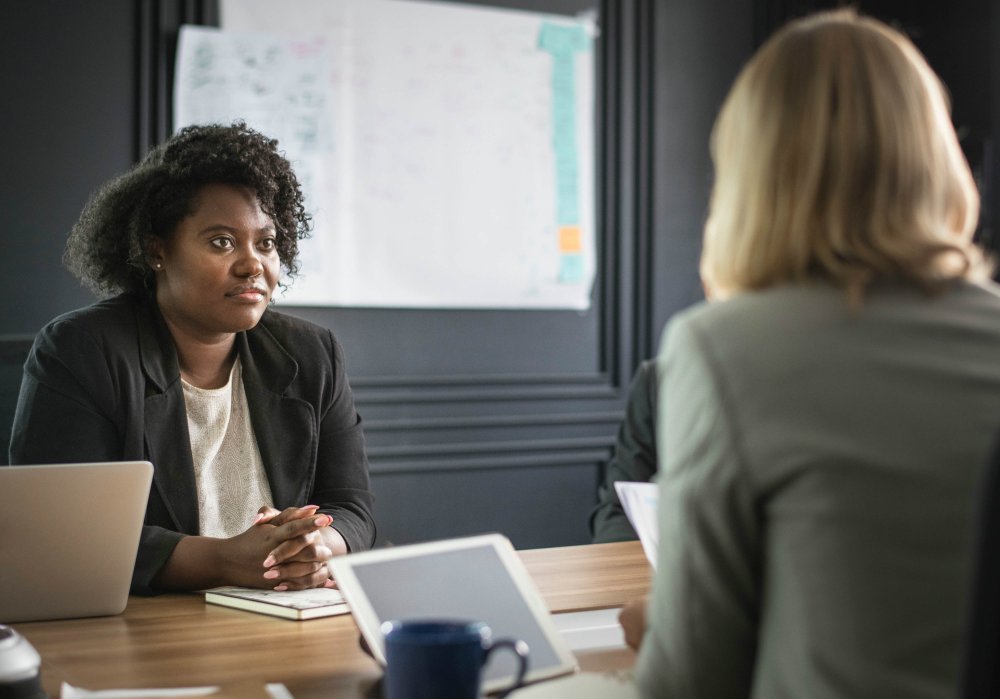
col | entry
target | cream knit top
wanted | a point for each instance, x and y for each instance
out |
(228, 470)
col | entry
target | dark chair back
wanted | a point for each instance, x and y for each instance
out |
(13, 351)
(981, 671)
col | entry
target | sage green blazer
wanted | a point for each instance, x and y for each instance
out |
(817, 472)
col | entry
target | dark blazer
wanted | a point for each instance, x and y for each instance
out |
(981, 659)
(102, 383)
(634, 458)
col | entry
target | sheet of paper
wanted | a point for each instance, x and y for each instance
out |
(583, 685)
(447, 150)
(275, 690)
(68, 691)
(295, 599)
(640, 501)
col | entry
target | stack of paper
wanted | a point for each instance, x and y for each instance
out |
(640, 501)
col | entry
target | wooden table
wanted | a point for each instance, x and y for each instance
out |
(179, 641)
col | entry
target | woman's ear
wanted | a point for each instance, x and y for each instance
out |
(154, 252)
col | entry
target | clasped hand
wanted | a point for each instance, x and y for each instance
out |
(287, 549)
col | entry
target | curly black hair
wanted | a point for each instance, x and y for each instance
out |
(107, 247)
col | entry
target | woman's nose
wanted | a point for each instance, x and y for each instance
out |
(249, 264)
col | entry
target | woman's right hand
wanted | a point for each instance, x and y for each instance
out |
(633, 620)
(269, 515)
(299, 541)
(294, 534)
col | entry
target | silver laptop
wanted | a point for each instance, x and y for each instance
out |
(68, 538)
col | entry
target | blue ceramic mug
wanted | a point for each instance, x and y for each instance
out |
(441, 659)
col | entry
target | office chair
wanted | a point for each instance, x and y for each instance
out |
(981, 658)
(13, 351)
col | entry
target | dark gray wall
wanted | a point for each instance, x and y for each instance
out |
(67, 77)
(700, 48)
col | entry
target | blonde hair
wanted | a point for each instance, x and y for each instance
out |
(835, 158)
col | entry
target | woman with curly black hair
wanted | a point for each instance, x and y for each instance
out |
(245, 413)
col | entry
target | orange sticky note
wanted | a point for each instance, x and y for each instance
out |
(570, 239)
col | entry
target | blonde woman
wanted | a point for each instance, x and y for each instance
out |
(823, 420)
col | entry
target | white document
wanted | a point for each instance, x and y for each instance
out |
(583, 685)
(640, 500)
(67, 691)
(447, 151)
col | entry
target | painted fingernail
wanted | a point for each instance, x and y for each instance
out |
(272, 574)
(323, 521)
(260, 516)
(281, 588)
(269, 561)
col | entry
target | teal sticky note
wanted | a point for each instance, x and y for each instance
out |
(562, 38)
(563, 85)
(570, 268)
(566, 158)
(562, 41)
(568, 212)
(567, 199)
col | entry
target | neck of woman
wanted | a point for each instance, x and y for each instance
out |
(205, 362)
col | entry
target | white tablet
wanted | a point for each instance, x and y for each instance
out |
(478, 578)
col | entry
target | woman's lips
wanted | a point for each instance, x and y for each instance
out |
(249, 294)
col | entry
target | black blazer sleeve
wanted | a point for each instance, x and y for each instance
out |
(341, 486)
(75, 406)
(308, 430)
(65, 410)
(634, 458)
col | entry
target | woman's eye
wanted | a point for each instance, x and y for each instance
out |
(222, 243)
(267, 244)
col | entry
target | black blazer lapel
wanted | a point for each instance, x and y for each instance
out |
(284, 425)
(168, 446)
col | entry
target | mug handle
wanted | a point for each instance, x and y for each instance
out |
(518, 648)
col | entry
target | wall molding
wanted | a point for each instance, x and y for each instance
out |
(487, 394)
(454, 422)
(434, 463)
(528, 446)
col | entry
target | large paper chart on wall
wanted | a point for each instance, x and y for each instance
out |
(447, 151)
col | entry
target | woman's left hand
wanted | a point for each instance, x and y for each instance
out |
(307, 542)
